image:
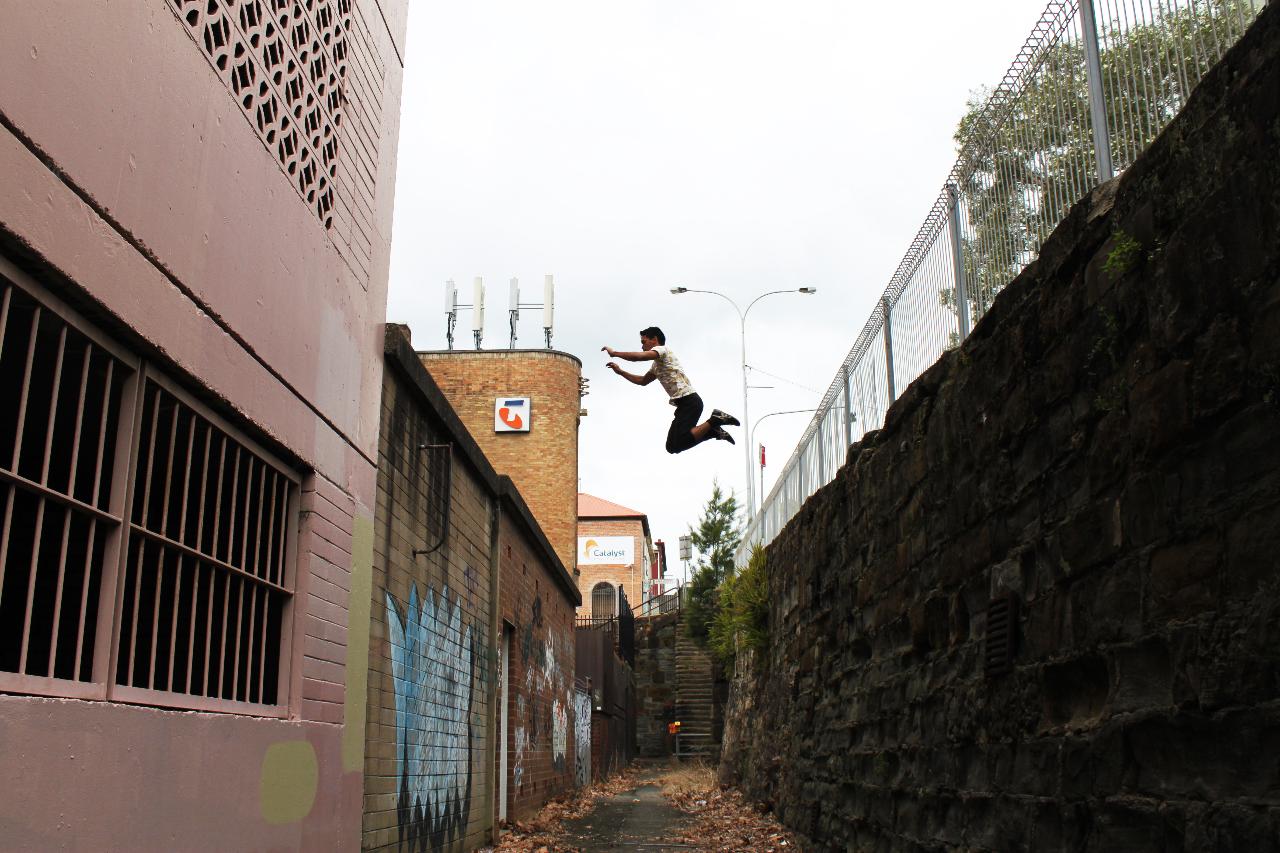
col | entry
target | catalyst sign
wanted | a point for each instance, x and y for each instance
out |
(606, 550)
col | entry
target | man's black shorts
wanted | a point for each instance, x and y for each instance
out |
(688, 410)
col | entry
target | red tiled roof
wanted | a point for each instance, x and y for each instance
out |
(590, 506)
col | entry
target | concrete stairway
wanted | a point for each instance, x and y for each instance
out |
(694, 699)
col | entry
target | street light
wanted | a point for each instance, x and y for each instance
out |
(752, 438)
(742, 321)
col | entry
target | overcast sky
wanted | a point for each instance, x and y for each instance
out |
(630, 147)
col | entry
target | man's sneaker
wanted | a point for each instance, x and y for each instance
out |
(720, 418)
(722, 435)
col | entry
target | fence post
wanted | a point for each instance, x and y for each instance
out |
(801, 491)
(848, 410)
(1097, 104)
(821, 439)
(888, 348)
(957, 257)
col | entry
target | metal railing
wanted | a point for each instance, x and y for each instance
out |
(1092, 86)
(659, 605)
(620, 626)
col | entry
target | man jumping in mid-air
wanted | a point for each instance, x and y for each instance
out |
(685, 430)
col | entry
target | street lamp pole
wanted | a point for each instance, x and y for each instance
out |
(753, 437)
(742, 328)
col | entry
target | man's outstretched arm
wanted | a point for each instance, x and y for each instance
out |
(635, 378)
(645, 355)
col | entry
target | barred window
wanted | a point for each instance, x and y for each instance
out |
(146, 544)
(604, 601)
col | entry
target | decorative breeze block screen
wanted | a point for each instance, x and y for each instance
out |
(286, 63)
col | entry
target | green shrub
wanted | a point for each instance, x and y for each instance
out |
(742, 621)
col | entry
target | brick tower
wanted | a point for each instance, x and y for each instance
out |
(537, 445)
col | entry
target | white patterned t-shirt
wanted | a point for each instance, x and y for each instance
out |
(666, 367)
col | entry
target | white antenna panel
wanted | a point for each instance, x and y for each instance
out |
(477, 302)
(515, 294)
(548, 301)
(450, 297)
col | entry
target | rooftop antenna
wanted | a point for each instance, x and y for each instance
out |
(514, 312)
(450, 308)
(548, 306)
(477, 311)
(548, 297)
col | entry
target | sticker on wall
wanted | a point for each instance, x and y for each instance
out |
(606, 550)
(511, 414)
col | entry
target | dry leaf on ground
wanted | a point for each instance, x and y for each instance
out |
(723, 820)
(543, 832)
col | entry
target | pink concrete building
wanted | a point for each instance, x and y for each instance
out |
(195, 215)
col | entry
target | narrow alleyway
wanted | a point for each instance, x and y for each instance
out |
(650, 808)
(642, 821)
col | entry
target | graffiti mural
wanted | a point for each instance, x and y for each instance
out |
(582, 737)
(433, 667)
(559, 734)
(522, 744)
(542, 703)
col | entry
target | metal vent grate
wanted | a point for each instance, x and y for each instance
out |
(1002, 635)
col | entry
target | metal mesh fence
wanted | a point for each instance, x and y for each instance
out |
(1092, 86)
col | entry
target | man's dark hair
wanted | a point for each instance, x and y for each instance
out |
(655, 332)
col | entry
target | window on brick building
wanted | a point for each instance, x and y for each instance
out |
(146, 545)
(604, 601)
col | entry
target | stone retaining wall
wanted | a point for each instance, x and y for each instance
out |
(1105, 449)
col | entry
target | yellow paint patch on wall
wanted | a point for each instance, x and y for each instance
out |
(290, 777)
(359, 607)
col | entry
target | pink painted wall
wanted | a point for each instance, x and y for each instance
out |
(131, 172)
(126, 105)
(112, 777)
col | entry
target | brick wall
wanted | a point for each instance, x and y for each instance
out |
(630, 576)
(325, 547)
(433, 654)
(1104, 450)
(538, 600)
(543, 463)
(430, 638)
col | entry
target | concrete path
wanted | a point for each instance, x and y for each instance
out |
(639, 821)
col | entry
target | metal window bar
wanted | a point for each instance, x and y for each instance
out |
(212, 529)
(604, 601)
(68, 383)
(1023, 159)
(99, 602)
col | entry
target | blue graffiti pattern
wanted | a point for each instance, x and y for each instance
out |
(433, 657)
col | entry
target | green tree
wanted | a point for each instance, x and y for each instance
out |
(1026, 155)
(716, 539)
